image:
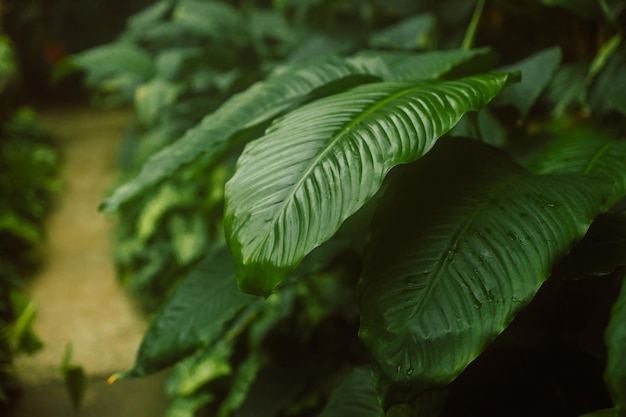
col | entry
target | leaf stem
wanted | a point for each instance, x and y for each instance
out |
(470, 34)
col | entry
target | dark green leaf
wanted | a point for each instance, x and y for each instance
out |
(412, 33)
(537, 71)
(455, 255)
(294, 187)
(217, 20)
(354, 397)
(262, 102)
(588, 152)
(188, 406)
(403, 66)
(194, 316)
(150, 16)
(215, 134)
(122, 59)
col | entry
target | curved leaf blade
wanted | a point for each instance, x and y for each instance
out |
(195, 315)
(216, 133)
(355, 397)
(537, 71)
(207, 141)
(587, 152)
(454, 257)
(403, 66)
(294, 187)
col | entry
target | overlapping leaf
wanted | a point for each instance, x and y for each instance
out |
(588, 152)
(537, 71)
(463, 241)
(294, 187)
(265, 100)
(354, 397)
(194, 316)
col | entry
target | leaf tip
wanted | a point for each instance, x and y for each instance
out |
(118, 376)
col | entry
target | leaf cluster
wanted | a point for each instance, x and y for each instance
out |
(28, 183)
(29, 180)
(394, 207)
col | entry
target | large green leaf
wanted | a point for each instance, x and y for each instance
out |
(214, 135)
(265, 100)
(354, 397)
(615, 374)
(537, 71)
(295, 186)
(194, 316)
(588, 152)
(464, 240)
(403, 66)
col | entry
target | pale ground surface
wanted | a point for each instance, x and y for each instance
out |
(78, 298)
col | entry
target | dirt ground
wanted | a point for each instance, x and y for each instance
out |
(78, 298)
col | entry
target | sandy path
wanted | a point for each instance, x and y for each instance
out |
(76, 293)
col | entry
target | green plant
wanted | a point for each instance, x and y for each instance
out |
(28, 183)
(406, 195)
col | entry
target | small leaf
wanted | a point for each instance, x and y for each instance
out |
(294, 187)
(75, 379)
(217, 20)
(615, 338)
(194, 316)
(412, 33)
(455, 255)
(152, 97)
(403, 66)
(191, 374)
(116, 58)
(537, 71)
(354, 397)
(588, 152)
(188, 406)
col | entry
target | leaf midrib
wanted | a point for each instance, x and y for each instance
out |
(596, 157)
(455, 241)
(338, 136)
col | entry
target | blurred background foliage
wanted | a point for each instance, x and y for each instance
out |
(175, 61)
(29, 165)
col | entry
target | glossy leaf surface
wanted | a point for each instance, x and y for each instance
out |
(455, 255)
(589, 153)
(354, 397)
(194, 316)
(262, 102)
(294, 187)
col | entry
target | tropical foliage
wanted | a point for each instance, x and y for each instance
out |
(28, 182)
(345, 208)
